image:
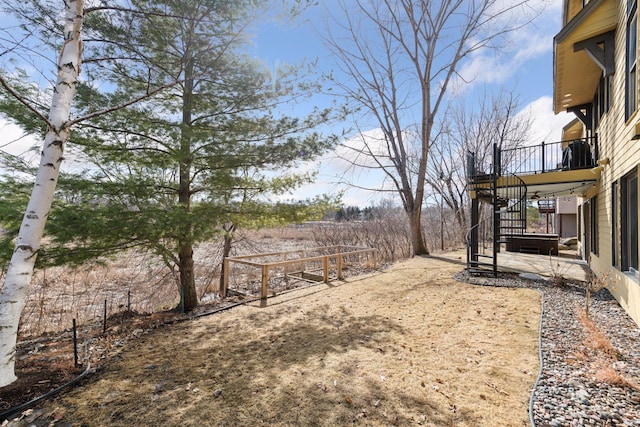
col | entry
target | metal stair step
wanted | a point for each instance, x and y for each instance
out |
(480, 264)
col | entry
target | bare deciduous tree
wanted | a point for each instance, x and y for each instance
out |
(497, 119)
(400, 58)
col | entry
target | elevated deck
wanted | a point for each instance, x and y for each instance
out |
(512, 178)
(547, 170)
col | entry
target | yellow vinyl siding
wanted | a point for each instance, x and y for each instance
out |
(615, 142)
(572, 7)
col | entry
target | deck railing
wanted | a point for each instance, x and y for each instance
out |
(545, 157)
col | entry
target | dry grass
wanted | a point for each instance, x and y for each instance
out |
(608, 375)
(60, 294)
(605, 355)
(405, 347)
(596, 339)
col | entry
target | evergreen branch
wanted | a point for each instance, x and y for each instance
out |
(139, 12)
(23, 101)
(129, 132)
(167, 187)
(132, 101)
(108, 59)
(118, 130)
(166, 255)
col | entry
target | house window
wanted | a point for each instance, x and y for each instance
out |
(596, 106)
(614, 224)
(593, 218)
(602, 99)
(631, 103)
(629, 222)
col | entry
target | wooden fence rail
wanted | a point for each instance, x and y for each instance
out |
(303, 256)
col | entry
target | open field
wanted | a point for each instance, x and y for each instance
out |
(408, 346)
(140, 282)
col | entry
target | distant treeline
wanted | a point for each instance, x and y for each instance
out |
(355, 213)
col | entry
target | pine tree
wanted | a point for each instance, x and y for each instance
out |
(178, 133)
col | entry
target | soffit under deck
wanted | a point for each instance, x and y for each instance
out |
(545, 185)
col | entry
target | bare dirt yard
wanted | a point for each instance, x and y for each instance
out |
(406, 346)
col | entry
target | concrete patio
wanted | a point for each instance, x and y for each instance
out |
(566, 264)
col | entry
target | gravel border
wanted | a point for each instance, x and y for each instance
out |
(568, 391)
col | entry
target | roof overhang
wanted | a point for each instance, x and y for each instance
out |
(583, 52)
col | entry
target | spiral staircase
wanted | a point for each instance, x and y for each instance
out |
(508, 202)
(508, 219)
(504, 182)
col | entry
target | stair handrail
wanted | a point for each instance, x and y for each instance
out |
(467, 239)
(522, 199)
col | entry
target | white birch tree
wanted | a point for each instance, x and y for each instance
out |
(58, 122)
(15, 291)
(174, 60)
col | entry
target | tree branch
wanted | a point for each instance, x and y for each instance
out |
(24, 102)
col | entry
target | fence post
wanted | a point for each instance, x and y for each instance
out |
(339, 261)
(265, 279)
(543, 157)
(325, 269)
(225, 278)
(75, 345)
(104, 319)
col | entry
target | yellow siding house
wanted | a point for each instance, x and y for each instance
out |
(595, 76)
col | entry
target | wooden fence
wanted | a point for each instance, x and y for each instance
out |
(304, 256)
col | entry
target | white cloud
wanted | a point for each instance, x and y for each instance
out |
(13, 140)
(546, 125)
(336, 170)
(349, 170)
(520, 48)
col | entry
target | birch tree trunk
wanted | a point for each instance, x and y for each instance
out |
(15, 291)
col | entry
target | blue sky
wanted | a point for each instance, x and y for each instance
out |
(523, 65)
